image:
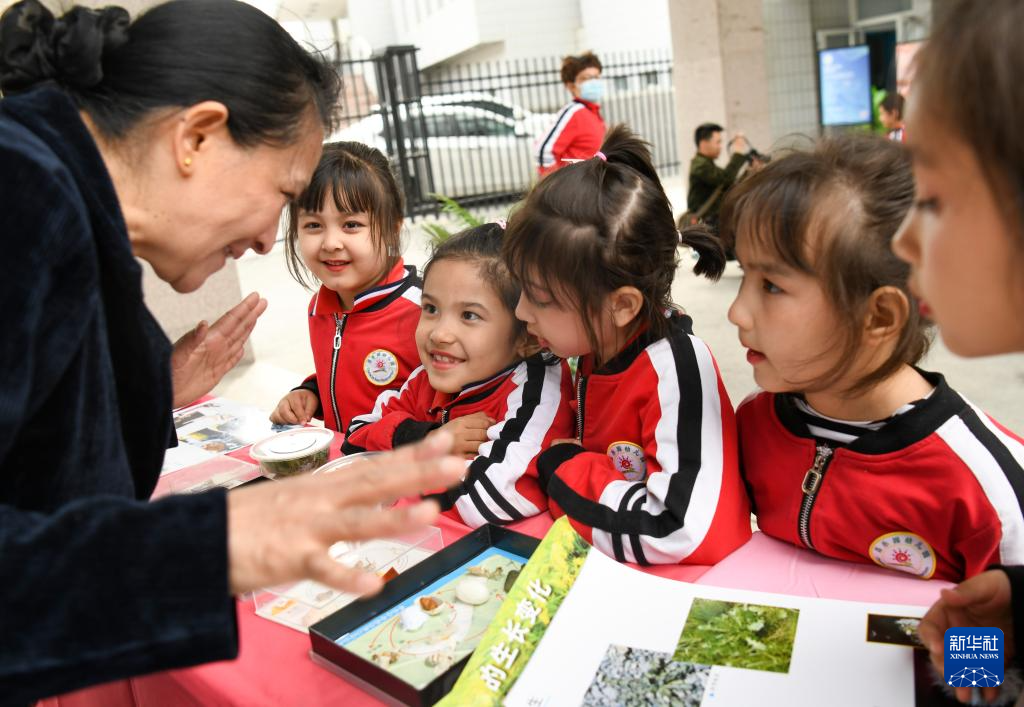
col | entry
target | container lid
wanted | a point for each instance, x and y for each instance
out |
(292, 444)
(342, 462)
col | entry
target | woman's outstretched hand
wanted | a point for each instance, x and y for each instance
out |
(281, 532)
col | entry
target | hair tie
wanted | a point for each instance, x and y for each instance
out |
(604, 157)
(37, 47)
(501, 223)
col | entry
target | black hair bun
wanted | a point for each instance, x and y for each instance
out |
(35, 47)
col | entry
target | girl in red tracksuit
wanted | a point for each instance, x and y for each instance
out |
(344, 231)
(849, 449)
(652, 474)
(477, 381)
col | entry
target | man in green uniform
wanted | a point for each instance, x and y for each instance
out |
(708, 181)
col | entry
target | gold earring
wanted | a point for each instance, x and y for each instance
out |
(188, 161)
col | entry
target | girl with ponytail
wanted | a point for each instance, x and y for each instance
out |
(652, 474)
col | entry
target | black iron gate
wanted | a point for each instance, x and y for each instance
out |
(381, 106)
(468, 132)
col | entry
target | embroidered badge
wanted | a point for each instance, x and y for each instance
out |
(629, 459)
(380, 367)
(905, 552)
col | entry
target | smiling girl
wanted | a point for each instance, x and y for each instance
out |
(479, 382)
(343, 230)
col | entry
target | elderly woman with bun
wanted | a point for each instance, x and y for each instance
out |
(177, 139)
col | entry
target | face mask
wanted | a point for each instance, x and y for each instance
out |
(592, 90)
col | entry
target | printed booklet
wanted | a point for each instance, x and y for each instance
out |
(580, 628)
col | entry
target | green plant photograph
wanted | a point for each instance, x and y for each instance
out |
(749, 636)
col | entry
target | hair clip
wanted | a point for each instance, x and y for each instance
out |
(569, 160)
(501, 223)
(604, 157)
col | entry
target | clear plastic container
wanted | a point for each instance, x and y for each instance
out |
(345, 461)
(301, 604)
(293, 451)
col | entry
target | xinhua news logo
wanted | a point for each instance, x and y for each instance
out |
(974, 657)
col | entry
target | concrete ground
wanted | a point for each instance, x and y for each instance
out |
(282, 355)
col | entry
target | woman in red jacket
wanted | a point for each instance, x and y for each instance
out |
(579, 129)
(344, 231)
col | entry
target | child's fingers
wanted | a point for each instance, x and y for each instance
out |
(477, 423)
(288, 414)
(564, 441)
(989, 694)
(309, 405)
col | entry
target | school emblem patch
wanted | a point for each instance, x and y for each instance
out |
(905, 552)
(629, 459)
(380, 367)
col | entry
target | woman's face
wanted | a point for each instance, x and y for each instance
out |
(230, 201)
(589, 73)
(966, 258)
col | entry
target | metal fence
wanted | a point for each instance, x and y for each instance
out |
(470, 132)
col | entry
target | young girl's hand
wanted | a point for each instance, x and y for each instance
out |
(296, 408)
(469, 433)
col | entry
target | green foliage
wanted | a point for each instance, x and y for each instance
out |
(877, 96)
(437, 233)
(738, 635)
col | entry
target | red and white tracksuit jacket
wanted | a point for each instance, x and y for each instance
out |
(366, 350)
(577, 134)
(530, 402)
(936, 492)
(655, 478)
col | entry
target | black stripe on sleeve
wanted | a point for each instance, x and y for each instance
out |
(511, 431)
(1011, 469)
(617, 549)
(688, 441)
(544, 144)
(634, 539)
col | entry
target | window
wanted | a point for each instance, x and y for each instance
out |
(876, 8)
(481, 126)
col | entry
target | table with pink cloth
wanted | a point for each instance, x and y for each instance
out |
(274, 668)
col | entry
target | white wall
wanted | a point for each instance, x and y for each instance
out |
(790, 67)
(530, 28)
(611, 25)
(373, 21)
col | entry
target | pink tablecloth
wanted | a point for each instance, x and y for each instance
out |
(273, 666)
(765, 564)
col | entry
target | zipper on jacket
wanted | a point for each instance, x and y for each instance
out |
(581, 395)
(444, 415)
(339, 328)
(810, 487)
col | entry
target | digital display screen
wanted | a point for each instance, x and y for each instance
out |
(845, 85)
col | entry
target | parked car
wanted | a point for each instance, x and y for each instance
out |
(471, 150)
(527, 122)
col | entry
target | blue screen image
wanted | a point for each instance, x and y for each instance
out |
(845, 86)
